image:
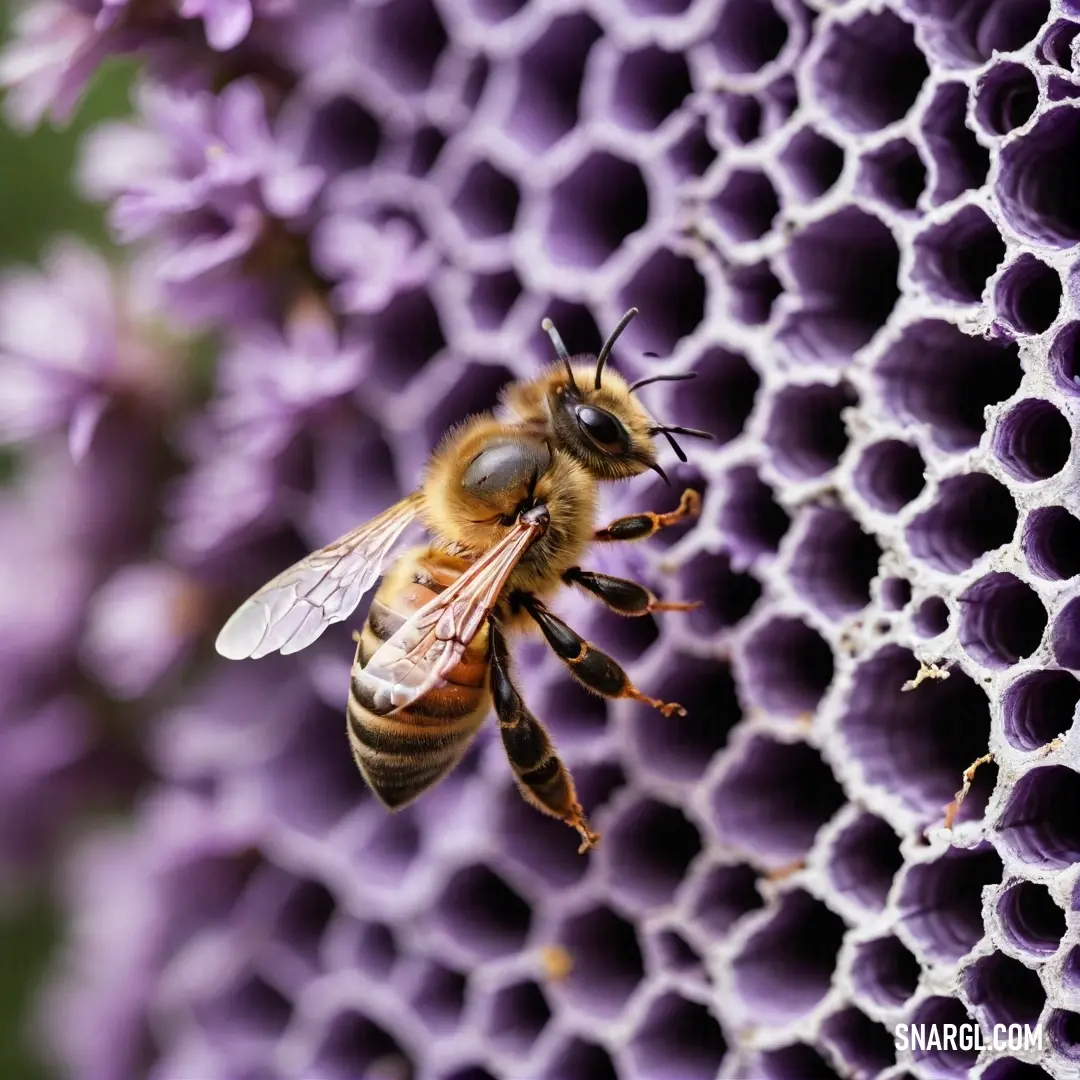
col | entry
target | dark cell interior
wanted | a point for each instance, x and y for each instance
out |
(1065, 1033)
(409, 330)
(724, 896)
(951, 1059)
(932, 617)
(1051, 543)
(1056, 44)
(1029, 295)
(895, 593)
(746, 205)
(1065, 358)
(960, 161)
(954, 260)
(748, 35)
(1039, 706)
(678, 1038)
(789, 666)
(1033, 440)
(487, 201)
(1041, 822)
(519, 1013)
(1065, 636)
(806, 429)
(580, 1060)
(752, 291)
(492, 296)
(1002, 620)
(885, 971)
(890, 474)
(476, 389)
(345, 135)
(675, 306)
(719, 400)
(608, 964)
(812, 162)
(692, 154)
(496, 11)
(835, 563)
(796, 1062)
(1006, 98)
(650, 86)
(481, 912)
(1005, 990)
(894, 174)
(650, 846)
(865, 1045)
(968, 33)
(440, 998)
(1031, 919)
(407, 39)
(352, 1043)
(743, 117)
(727, 595)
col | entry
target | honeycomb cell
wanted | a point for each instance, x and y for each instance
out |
(932, 617)
(885, 971)
(1039, 179)
(1030, 918)
(1028, 295)
(440, 998)
(914, 745)
(391, 851)
(409, 330)
(748, 35)
(940, 902)
(575, 323)
(1041, 822)
(812, 163)
(746, 206)
(345, 134)
(773, 799)
(968, 34)
(1065, 358)
(806, 429)
(650, 85)
(752, 292)
(1056, 46)
(894, 174)
(1051, 543)
(864, 1045)
(1033, 440)
(550, 75)
(1065, 636)
(303, 920)
(786, 967)
(491, 296)
(973, 515)
(376, 950)
(497, 11)
(1038, 707)
(1064, 1031)
(571, 713)
(1005, 98)
(407, 38)
(863, 861)
(479, 911)
(351, 1044)
(475, 390)
(607, 961)
(675, 292)
(650, 846)
(1002, 620)
(425, 146)
(751, 519)
(954, 260)
(677, 1038)
(722, 396)
(723, 896)
(795, 1062)
(743, 117)
(250, 1009)
(487, 202)
(692, 154)
(941, 1058)
(789, 666)
(1004, 990)
(727, 596)
(845, 270)
(834, 563)
(580, 1060)
(706, 689)
(895, 593)
(674, 954)
(890, 474)
(594, 210)
(519, 1013)
(960, 161)
(870, 70)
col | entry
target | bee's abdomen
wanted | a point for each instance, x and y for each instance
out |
(402, 755)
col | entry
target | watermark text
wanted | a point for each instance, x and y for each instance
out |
(924, 1037)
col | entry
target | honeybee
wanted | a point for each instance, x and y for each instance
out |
(508, 504)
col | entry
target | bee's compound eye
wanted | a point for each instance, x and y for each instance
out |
(602, 428)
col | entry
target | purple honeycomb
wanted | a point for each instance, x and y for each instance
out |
(856, 223)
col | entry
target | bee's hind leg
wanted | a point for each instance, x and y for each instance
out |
(622, 595)
(544, 781)
(595, 670)
(642, 526)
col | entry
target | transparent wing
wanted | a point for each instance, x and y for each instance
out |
(290, 612)
(429, 645)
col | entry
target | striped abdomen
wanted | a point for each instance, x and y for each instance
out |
(402, 755)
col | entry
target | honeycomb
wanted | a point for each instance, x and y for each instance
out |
(856, 223)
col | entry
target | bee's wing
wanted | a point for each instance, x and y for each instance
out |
(428, 645)
(288, 613)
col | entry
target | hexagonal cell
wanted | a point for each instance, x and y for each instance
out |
(390, 852)
(1039, 706)
(870, 70)
(1065, 358)
(1051, 542)
(914, 745)
(683, 751)
(835, 563)
(650, 85)
(941, 902)
(376, 950)
(773, 799)
(795, 1062)
(626, 638)
(497, 11)
(864, 1045)
(692, 154)
(1041, 822)
(607, 961)
(752, 291)
(1002, 620)
(303, 919)
(487, 202)
(748, 35)
(491, 296)
(953, 1058)
(742, 117)
(550, 75)
(344, 135)
(727, 596)
(1056, 46)
(973, 515)
(602, 202)
(571, 713)
(1005, 98)
(1028, 295)
(723, 896)
(786, 968)
(675, 305)
(650, 846)
(672, 953)
(250, 1011)
(481, 912)
(519, 1013)
(954, 260)
(439, 999)
(863, 861)
(845, 269)
(1033, 440)
(895, 593)
(409, 330)
(425, 146)
(1039, 177)
(677, 1038)
(746, 206)
(1031, 919)
(885, 972)
(406, 41)
(721, 398)
(1007, 991)
(1064, 1029)
(351, 1044)
(580, 1060)
(890, 474)
(968, 34)
(806, 429)
(812, 163)
(751, 520)
(961, 162)
(1065, 636)
(894, 174)
(476, 389)
(931, 618)
(789, 666)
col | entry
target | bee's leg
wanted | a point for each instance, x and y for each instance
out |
(544, 781)
(642, 526)
(595, 670)
(621, 595)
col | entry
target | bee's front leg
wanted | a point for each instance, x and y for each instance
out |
(622, 595)
(642, 526)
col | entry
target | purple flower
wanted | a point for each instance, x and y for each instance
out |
(227, 22)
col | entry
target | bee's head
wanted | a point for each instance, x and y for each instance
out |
(597, 417)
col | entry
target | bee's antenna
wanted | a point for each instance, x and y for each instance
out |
(560, 351)
(605, 350)
(696, 433)
(679, 453)
(662, 378)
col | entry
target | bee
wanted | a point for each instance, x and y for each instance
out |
(508, 504)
